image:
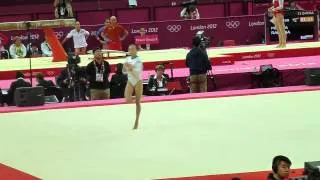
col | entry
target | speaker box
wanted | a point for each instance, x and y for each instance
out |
(29, 96)
(312, 76)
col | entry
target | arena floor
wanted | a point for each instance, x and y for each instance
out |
(175, 139)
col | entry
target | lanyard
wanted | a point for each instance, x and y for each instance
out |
(97, 69)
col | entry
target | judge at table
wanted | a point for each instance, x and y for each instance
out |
(158, 82)
(18, 50)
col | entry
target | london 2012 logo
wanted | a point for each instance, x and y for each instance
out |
(233, 24)
(174, 28)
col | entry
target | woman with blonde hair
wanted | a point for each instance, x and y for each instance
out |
(278, 21)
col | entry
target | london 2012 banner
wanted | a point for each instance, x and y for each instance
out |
(170, 34)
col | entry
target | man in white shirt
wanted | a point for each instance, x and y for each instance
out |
(79, 37)
(18, 50)
(46, 49)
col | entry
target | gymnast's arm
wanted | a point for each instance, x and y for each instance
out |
(69, 36)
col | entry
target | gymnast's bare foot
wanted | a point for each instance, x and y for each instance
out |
(283, 46)
(135, 126)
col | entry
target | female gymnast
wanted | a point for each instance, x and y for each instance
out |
(278, 21)
(133, 67)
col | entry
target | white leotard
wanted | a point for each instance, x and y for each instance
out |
(136, 74)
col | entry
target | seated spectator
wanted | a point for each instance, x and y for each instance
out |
(118, 83)
(33, 51)
(280, 168)
(63, 9)
(18, 50)
(159, 80)
(190, 12)
(20, 82)
(42, 82)
(3, 52)
(143, 32)
(46, 49)
(293, 6)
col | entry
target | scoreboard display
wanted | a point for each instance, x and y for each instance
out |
(300, 26)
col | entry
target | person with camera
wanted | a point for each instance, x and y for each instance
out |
(190, 10)
(72, 80)
(190, 13)
(97, 75)
(199, 64)
(63, 9)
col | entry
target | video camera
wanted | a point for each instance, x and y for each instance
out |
(205, 41)
(73, 60)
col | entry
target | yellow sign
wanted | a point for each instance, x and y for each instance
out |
(307, 19)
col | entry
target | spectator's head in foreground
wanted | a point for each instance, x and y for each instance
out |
(281, 167)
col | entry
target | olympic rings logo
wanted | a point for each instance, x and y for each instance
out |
(174, 28)
(233, 24)
(59, 34)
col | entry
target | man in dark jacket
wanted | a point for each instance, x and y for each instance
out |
(20, 82)
(198, 63)
(97, 74)
(118, 83)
